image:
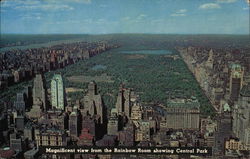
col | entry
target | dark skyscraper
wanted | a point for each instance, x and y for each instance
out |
(93, 104)
(39, 92)
(39, 97)
(73, 123)
(236, 81)
(123, 104)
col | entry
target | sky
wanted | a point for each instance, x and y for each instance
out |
(125, 16)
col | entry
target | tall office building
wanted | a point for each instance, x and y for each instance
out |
(241, 117)
(92, 104)
(39, 97)
(16, 142)
(57, 92)
(39, 92)
(20, 104)
(123, 103)
(210, 60)
(236, 81)
(74, 123)
(136, 112)
(113, 122)
(183, 114)
(142, 132)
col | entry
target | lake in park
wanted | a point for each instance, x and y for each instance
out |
(153, 52)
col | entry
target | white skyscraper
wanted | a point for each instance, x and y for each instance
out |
(57, 92)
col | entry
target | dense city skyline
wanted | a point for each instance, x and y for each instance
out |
(136, 91)
(99, 17)
(124, 79)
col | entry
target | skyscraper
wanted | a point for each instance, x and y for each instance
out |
(210, 61)
(123, 103)
(39, 92)
(57, 92)
(236, 81)
(93, 104)
(39, 97)
(241, 116)
(20, 104)
(113, 122)
(74, 123)
(183, 113)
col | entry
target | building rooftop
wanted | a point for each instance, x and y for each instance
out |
(181, 102)
(235, 66)
(7, 153)
(226, 107)
(245, 91)
(31, 152)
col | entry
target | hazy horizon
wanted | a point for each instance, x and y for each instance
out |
(247, 34)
